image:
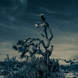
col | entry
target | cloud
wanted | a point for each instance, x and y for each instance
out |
(65, 45)
(6, 48)
(17, 21)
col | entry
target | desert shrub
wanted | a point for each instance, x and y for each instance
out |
(37, 69)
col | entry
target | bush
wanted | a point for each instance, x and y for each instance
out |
(36, 68)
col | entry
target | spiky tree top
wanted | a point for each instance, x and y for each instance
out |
(35, 45)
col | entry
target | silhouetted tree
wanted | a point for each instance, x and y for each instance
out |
(35, 45)
(37, 67)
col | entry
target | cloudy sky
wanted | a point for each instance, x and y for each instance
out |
(17, 19)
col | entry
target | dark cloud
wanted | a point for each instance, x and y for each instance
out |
(62, 14)
(56, 5)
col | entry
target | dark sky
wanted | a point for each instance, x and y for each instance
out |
(17, 19)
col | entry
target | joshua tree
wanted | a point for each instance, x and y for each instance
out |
(33, 67)
(35, 45)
